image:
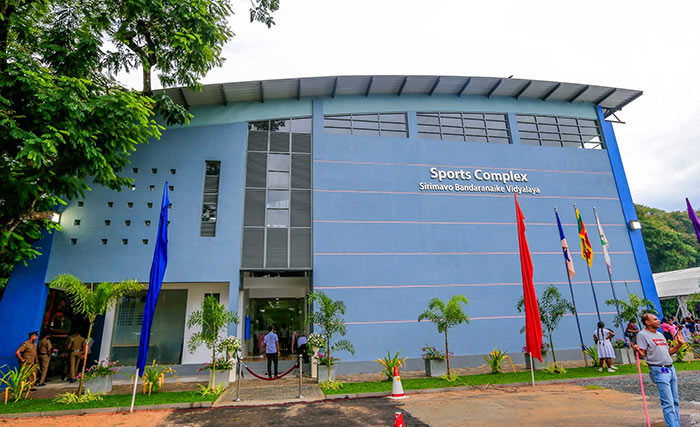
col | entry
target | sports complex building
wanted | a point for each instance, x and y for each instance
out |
(381, 191)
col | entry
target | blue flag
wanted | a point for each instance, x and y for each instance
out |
(565, 249)
(160, 260)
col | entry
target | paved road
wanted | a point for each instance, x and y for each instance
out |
(492, 406)
(688, 385)
(688, 392)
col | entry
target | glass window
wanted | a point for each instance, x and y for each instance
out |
(210, 199)
(301, 125)
(167, 331)
(278, 199)
(568, 133)
(278, 162)
(472, 127)
(367, 124)
(278, 179)
(546, 119)
(277, 218)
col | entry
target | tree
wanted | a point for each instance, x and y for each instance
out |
(93, 300)
(65, 120)
(669, 239)
(552, 308)
(446, 316)
(328, 316)
(214, 319)
(631, 311)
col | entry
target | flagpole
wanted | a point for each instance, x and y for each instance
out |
(133, 394)
(573, 301)
(608, 268)
(617, 306)
(595, 299)
(532, 369)
(585, 248)
(628, 289)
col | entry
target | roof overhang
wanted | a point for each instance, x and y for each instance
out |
(609, 98)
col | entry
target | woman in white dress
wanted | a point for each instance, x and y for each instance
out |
(606, 353)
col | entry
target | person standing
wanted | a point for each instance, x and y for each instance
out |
(606, 353)
(272, 351)
(75, 349)
(44, 348)
(301, 347)
(653, 345)
(632, 331)
(26, 352)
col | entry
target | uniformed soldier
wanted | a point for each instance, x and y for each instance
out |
(44, 348)
(75, 348)
(26, 353)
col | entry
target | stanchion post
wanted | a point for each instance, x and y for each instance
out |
(301, 396)
(238, 383)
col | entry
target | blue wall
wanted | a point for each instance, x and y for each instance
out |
(386, 248)
(22, 304)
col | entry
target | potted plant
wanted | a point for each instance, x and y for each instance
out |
(328, 373)
(328, 316)
(546, 357)
(214, 319)
(221, 370)
(231, 347)
(93, 300)
(446, 316)
(98, 377)
(314, 344)
(435, 361)
(622, 355)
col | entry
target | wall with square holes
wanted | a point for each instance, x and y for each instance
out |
(110, 235)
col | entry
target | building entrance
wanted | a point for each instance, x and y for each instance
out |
(286, 315)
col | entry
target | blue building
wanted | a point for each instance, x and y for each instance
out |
(381, 191)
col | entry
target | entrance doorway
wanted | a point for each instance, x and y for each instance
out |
(273, 299)
(286, 315)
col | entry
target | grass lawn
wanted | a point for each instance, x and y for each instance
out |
(505, 378)
(110, 400)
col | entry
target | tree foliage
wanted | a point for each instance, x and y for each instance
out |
(93, 300)
(328, 315)
(66, 123)
(214, 319)
(631, 310)
(445, 317)
(669, 239)
(552, 308)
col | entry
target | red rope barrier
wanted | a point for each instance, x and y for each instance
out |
(270, 379)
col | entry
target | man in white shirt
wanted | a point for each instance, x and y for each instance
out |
(653, 345)
(272, 350)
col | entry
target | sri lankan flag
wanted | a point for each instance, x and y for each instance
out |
(586, 249)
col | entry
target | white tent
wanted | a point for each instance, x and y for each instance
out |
(678, 284)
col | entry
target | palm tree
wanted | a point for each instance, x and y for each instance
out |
(93, 300)
(552, 308)
(213, 318)
(446, 316)
(630, 311)
(328, 316)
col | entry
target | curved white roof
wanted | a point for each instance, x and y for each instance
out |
(678, 282)
(609, 98)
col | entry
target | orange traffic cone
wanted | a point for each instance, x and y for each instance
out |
(396, 387)
(398, 420)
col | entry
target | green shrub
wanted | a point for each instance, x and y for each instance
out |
(388, 364)
(71, 398)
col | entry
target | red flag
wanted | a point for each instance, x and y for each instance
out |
(533, 325)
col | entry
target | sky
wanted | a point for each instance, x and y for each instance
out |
(642, 45)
